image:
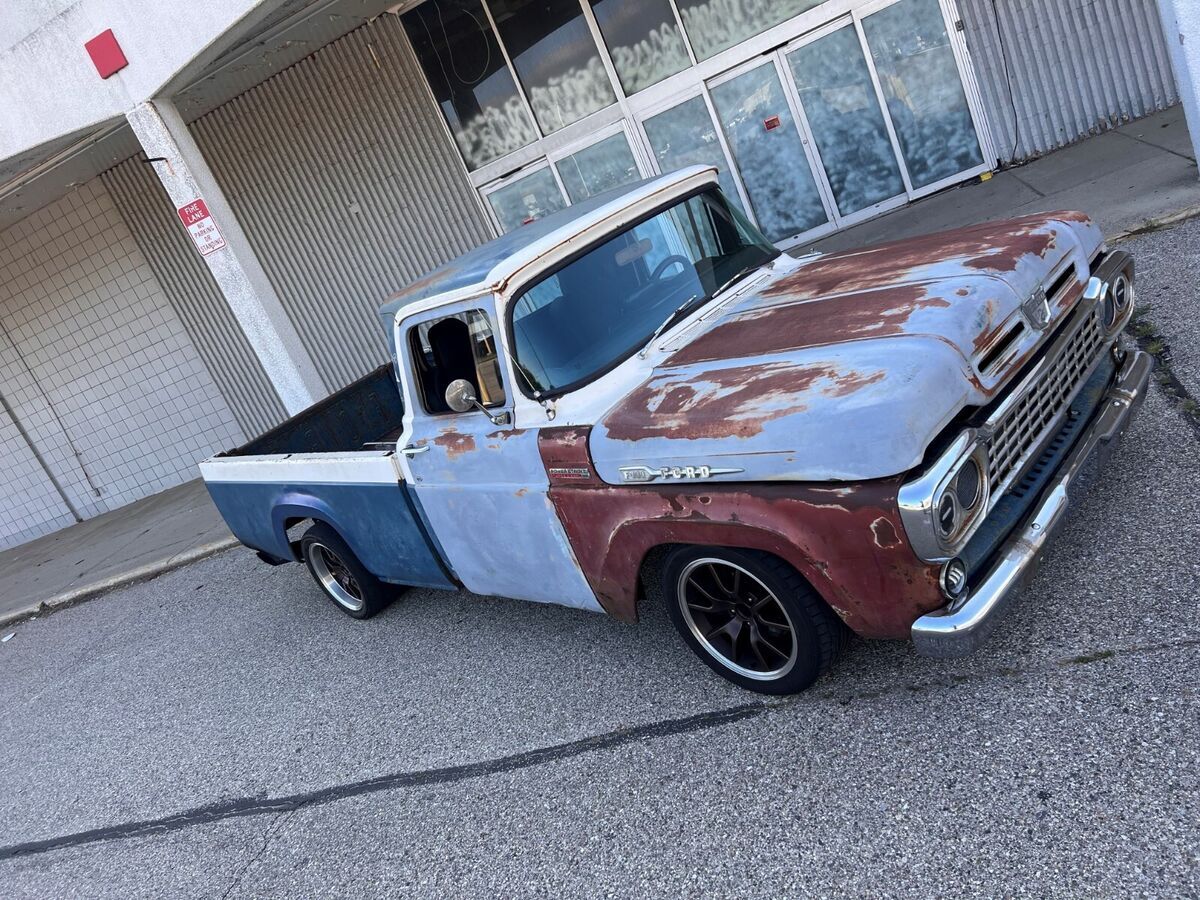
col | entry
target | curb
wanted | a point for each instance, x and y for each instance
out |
(1156, 224)
(142, 573)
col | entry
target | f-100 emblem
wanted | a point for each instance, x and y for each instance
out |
(1037, 309)
(642, 474)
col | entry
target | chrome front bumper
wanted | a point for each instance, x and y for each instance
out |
(959, 631)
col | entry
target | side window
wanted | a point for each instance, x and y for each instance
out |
(452, 347)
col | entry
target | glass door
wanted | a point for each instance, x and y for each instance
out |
(919, 73)
(770, 151)
(854, 142)
(528, 195)
(602, 163)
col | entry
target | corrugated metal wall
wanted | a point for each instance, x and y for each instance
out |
(346, 181)
(194, 295)
(1074, 67)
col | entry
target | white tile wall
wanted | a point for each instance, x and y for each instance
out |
(119, 403)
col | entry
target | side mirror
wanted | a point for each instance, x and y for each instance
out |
(460, 396)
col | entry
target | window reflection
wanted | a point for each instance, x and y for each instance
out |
(531, 197)
(716, 25)
(555, 57)
(643, 40)
(604, 165)
(843, 111)
(924, 91)
(684, 136)
(470, 81)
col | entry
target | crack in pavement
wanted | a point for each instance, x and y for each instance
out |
(254, 806)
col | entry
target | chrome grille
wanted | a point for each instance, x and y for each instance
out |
(1024, 425)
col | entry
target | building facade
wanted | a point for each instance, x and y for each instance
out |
(193, 246)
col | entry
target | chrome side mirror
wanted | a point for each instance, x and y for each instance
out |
(461, 398)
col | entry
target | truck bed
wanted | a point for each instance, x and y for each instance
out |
(360, 415)
(335, 462)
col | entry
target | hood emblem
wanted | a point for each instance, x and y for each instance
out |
(643, 474)
(1037, 309)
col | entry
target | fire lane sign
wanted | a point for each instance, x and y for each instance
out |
(200, 225)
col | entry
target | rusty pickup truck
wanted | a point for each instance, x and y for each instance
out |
(642, 390)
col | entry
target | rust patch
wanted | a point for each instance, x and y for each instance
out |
(797, 326)
(963, 292)
(564, 450)
(726, 403)
(852, 551)
(851, 382)
(454, 443)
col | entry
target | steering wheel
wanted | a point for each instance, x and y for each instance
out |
(662, 266)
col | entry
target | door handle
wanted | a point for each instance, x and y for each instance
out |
(413, 451)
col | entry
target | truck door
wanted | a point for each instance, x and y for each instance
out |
(480, 481)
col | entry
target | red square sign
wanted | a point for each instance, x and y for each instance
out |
(106, 53)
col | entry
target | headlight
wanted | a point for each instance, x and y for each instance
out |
(957, 501)
(940, 507)
(1116, 300)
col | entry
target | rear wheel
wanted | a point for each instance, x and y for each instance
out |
(751, 618)
(338, 572)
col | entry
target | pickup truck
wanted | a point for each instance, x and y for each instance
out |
(642, 389)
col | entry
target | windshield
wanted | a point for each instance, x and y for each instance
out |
(600, 308)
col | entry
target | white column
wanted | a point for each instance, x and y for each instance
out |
(187, 177)
(1181, 25)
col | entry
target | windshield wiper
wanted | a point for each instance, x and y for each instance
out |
(687, 305)
(741, 273)
(680, 311)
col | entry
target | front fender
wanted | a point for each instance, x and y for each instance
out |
(846, 540)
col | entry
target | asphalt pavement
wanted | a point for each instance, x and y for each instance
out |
(222, 731)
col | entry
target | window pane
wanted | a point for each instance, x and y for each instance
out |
(470, 81)
(643, 40)
(716, 25)
(923, 89)
(526, 199)
(606, 164)
(602, 307)
(555, 57)
(768, 152)
(843, 111)
(453, 347)
(683, 136)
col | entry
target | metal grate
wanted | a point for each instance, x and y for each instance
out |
(1024, 426)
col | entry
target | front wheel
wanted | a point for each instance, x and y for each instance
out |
(751, 618)
(338, 572)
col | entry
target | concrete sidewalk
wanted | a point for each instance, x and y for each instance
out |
(1126, 179)
(143, 539)
(1130, 179)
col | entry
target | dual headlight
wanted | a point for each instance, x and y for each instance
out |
(1117, 299)
(958, 502)
(940, 507)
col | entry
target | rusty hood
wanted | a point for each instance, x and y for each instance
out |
(846, 366)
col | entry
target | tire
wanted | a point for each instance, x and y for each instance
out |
(751, 618)
(340, 575)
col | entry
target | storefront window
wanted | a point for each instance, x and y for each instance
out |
(716, 25)
(471, 83)
(769, 153)
(531, 197)
(556, 59)
(643, 40)
(683, 136)
(843, 112)
(924, 90)
(604, 165)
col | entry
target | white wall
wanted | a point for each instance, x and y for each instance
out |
(48, 85)
(98, 369)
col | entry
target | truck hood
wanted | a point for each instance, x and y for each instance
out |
(846, 366)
